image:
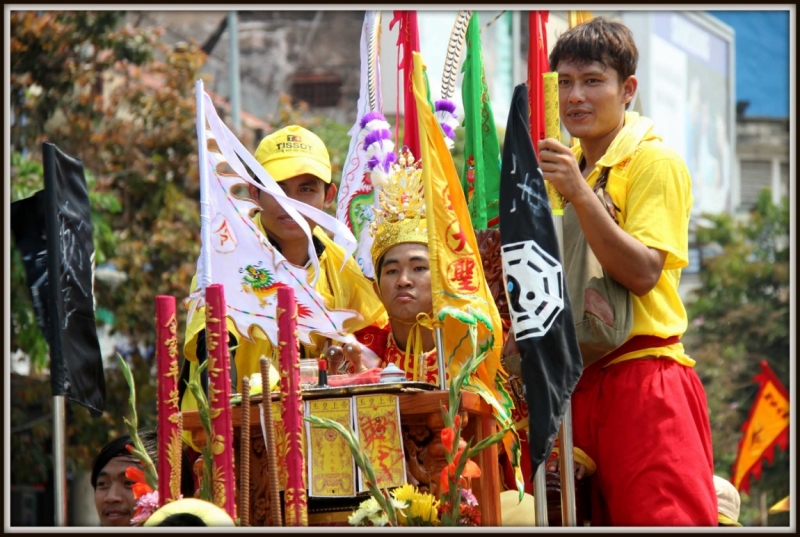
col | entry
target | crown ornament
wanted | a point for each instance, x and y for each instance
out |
(400, 214)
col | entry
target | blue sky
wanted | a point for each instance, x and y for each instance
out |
(762, 60)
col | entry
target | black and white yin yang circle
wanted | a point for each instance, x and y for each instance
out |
(535, 286)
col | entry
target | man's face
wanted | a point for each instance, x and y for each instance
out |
(405, 281)
(592, 99)
(306, 188)
(113, 496)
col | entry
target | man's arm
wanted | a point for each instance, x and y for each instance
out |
(626, 259)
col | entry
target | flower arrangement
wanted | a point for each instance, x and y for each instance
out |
(406, 505)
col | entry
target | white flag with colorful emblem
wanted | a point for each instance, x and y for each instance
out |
(236, 254)
(356, 196)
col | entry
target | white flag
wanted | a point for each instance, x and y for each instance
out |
(356, 197)
(237, 255)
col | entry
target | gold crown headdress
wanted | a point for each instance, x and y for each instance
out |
(400, 216)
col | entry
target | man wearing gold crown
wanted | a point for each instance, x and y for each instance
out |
(298, 161)
(402, 271)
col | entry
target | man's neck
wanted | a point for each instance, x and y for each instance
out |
(295, 252)
(401, 332)
(595, 148)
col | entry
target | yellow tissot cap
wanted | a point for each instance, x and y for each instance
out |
(294, 151)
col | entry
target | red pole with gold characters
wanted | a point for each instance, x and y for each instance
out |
(296, 501)
(169, 412)
(219, 396)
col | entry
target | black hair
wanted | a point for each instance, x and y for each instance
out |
(149, 438)
(599, 40)
(182, 519)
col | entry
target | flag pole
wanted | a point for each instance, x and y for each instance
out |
(437, 333)
(58, 370)
(59, 459)
(204, 279)
(552, 128)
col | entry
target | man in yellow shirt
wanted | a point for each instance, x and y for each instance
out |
(298, 161)
(639, 412)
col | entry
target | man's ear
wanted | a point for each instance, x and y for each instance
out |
(330, 195)
(254, 192)
(629, 89)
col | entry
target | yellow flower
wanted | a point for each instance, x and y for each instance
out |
(423, 509)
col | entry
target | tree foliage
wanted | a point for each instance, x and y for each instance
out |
(740, 316)
(123, 103)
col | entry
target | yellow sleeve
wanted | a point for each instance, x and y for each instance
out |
(347, 288)
(657, 207)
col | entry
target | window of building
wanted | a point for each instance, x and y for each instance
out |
(755, 175)
(317, 89)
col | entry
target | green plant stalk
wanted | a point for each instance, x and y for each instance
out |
(150, 473)
(206, 488)
(362, 461)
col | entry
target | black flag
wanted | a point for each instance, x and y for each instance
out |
(53, 231)
(537, 296)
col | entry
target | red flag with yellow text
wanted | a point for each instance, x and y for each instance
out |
(767, 426)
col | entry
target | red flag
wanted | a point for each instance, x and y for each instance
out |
(766, 426)
(537, 64)
(407, 42)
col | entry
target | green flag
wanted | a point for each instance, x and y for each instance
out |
(480, 177)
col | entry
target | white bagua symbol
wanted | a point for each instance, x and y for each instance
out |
(534, 283)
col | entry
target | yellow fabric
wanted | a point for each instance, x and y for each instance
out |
(293, 151)
(580, 457)
(725, 521)
(458, 283)
(574, 18)
(651, 186)
(780, 507)
(348, 289)
(769, 419)
(461, 296)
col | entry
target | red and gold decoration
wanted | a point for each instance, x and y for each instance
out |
(537, 65)
(377, 420)
(407, 44)
(295, 494)
(767, 426)
(169, 412)
(219, 395)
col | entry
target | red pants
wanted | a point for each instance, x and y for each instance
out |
(645, 424)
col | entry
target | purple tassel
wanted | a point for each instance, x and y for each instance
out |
(369, 117)
(445, 105)
(374, 161)
(376, 136)
(449, 132)
(388, 160)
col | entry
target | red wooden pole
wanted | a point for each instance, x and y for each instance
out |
(292, 409)
(219, 396)
(169, 412)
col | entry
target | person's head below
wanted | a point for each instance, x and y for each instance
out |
(728, 502)
(596, 64)
(298, 161)
(190, 512)
(113, 491)
(400, 247)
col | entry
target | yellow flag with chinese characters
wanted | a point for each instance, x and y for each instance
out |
(766, 427)
(461, 296)
(458, 283)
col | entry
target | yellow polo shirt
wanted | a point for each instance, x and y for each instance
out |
(650, 185)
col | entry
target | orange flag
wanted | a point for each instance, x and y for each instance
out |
(461, 296)
(766, 427)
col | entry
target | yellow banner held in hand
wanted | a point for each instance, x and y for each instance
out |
(552, 129)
